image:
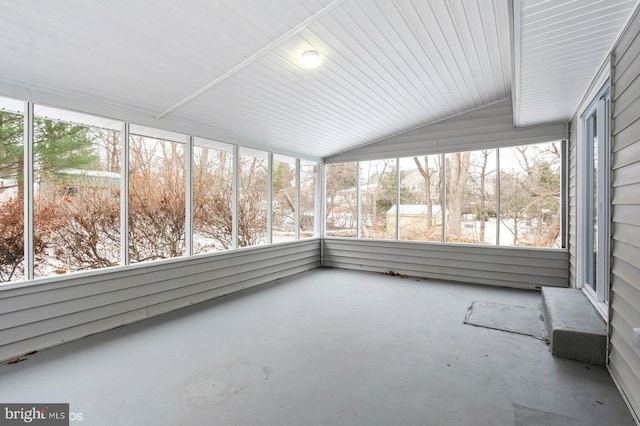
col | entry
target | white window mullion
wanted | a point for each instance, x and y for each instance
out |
(321, 207)
(443, 189)
(297, 202)
(235, 197)
(269, 198)
(358, 199)
(398, 200)
(124, 194)
(320, 200)
(498, 217)
(188, 216)
(28, 184)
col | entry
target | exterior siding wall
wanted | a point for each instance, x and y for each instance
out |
(510, 267)
(485, 128)
(572, 211)
(624, 362)
(45, 313)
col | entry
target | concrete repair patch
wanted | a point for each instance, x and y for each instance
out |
(510, 318)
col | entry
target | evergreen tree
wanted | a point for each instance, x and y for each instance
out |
(11, 130)
(57, 146)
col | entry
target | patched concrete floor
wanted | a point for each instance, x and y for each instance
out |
(326, 347)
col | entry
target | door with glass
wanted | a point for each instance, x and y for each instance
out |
(596, 198)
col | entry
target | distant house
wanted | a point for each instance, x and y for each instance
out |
(71, 181)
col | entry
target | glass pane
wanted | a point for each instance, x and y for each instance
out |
(252, 198)
(283, 221)
(471, 197)
(212, 196)
(76, 193)
(157, 181)
(377, 197)
(11, 195)
(530, 195)
(593, 134)
(420, 198)
(308, 179)
(457, 203)
(341, 208)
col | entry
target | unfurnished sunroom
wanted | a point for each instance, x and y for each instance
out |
(158, 156)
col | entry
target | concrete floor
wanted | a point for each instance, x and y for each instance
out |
(326, 347)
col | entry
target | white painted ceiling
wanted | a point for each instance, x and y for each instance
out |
(228, 70)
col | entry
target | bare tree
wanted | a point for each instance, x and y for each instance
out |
(252, 202)
(426, 174)
(86, 234)
(340, 195)
(156, 199)
(482, 205)
(308, 179)
(108, 142)
(457, 185)
(284, 204)
(530, 195)
(378, 194)
(212, 206)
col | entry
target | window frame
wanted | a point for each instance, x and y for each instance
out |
(189, 142)
(599, 105)
(562, 209)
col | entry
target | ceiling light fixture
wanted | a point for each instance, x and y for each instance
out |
(310, 59)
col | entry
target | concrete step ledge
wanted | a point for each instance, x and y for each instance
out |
(576, 330)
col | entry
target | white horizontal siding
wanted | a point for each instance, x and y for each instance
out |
(625, 287)
(42, 314)
(572, 169)
(484, 128)
(510, 267)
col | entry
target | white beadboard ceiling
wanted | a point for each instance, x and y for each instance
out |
(559, 46)
(228, 70)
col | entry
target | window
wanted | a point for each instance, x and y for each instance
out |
(420, 213)
(11, 191)
(212, 196)
(594, 214)
(252, 198)
(457, 197)
(341, 199)
(283, 223)
(377, 197)
(471, 197)
(157, 196)
(530, 195)
(308, 183)
(76, 192)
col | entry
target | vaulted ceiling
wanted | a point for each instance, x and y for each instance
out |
(229, 70)
(559, 46)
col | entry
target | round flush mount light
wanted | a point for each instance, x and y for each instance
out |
(310, 59)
